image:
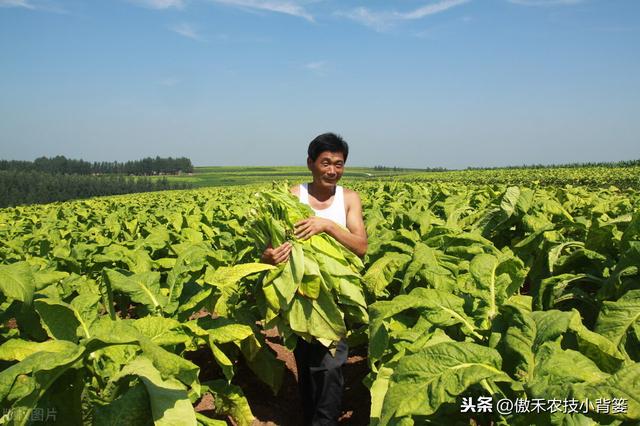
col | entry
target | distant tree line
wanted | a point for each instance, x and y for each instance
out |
(62, 165)
(29, 187)
(628, 163)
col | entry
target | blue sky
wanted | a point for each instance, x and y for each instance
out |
(412, 83)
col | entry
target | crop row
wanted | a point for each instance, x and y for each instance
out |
(472, 291)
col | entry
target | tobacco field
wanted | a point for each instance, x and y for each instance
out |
(468, 290)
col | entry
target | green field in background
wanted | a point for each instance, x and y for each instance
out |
(623, 177)
(225, 176)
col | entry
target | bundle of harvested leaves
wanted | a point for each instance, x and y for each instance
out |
(318, 292)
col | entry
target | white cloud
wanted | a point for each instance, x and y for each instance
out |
(40, 5)
(364, 16)
(160, 4)
(431, 9)
(318, 67)
(169, 82)
(186, 30)
(315, 65)
(384, 19)
(545, 2)
(279, 6)
(17, 3)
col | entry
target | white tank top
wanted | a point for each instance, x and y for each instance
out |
(334, 212)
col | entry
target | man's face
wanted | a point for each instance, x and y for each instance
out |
(327, 169)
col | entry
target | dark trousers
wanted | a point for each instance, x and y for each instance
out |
(320, 381)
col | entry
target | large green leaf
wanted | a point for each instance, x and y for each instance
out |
(625, 275)
(423, 257)
(161, 331)
(325, 246)
(17, 349)
(336, 268)
(557, 368)
(158, 238)
(230, 401)
(143, 287)
(46, 277)
(107, 332)
(561, 288)
(436, 375)
(570, 374)
(281, 283)
(598, 348)
(171, 365)
(17, 281)
(350, 292)
(497, 216)
(620, 318)
(624, 385)
(137, 261)
(516, 329)
(192, 258)
(64, 397)
(439, 307)
(320, 318)
(225, 332)
(130, 408)
(297, 262)
(227, 280)
(58, 319)
(23, 384)
(170, 404)
(263, 363)
(378, 391)
(381, 273)
(86, 308)
(231, 275)
(496, 280)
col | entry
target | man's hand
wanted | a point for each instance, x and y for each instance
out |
(311, 226)
(273, 256)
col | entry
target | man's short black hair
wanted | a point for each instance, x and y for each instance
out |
(327, 142)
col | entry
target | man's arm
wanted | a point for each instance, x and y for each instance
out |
(355, 239)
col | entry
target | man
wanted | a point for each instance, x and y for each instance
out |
(338, 212)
